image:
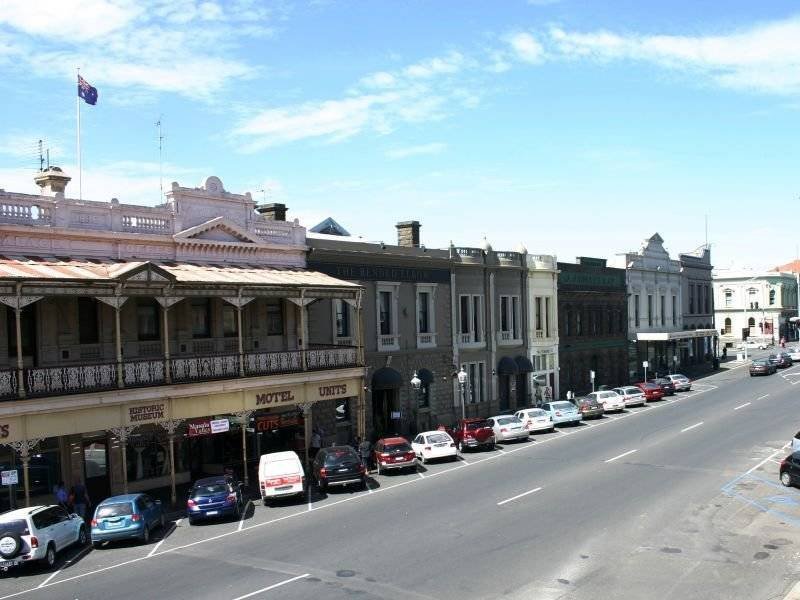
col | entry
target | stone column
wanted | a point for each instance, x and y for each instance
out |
(244, 417)
(171, 427)
(20, 361)
(306, 408)
(121, 434)
(241, 344)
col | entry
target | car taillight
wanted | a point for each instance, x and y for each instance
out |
(385, 455)
(230, 499)
(452, 444)
(503, 430)
(93, 522)
(190, 503)
(34, 542)
(558, 413)
(135, 517)
(528, 423)
(410, 456)
(784, 461)
(323, 472)
(467, 434)
(428, 447)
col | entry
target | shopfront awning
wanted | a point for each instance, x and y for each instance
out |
(507, 366)
(523, 364)
(387, 378)
(669, 336)
(425, 376)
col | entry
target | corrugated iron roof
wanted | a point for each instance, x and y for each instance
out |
(53, 268)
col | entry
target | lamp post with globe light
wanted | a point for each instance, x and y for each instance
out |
(462, 384)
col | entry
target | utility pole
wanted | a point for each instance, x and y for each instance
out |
(160, 160)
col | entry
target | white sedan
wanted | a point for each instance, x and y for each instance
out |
(632, 395)
(794, 353)
(535, 419)
(434, 444)
(508, 428)
(681, 382)
(610, 400)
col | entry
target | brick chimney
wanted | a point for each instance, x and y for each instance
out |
(408, 234)
(274, 212)
(52, 181)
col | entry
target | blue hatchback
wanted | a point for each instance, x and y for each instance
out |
(215, 497)
(125, 517)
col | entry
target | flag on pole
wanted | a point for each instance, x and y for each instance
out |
(86, 91)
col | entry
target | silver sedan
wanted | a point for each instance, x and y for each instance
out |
(508, 428)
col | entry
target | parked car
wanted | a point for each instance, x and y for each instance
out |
(130, 516)
(666, 385)
(430, 445)
(562, 412)
(394, 453)
(781, 360)
(795, 442)
(589, 407)
(213, 497)
(535, 419)
(508, 428)
(610, 400)
(762, 366)
(473, 433)
(37, 533)
(651, 390)
(787, 357)
(280, 474)
(338, 466)
(632, 395)
(681, 382)
(752, 345)
(794, 353)
(789, 469)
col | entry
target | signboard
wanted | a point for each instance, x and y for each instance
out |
(645, 364)
(9, 477)
(591, 375)
(198, 428)
(381, 272)
(395, 414)
(220, 425)
(146, 413)
(277, 421)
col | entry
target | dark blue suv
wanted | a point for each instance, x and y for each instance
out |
(215, 497)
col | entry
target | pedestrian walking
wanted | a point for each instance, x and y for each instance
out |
(80, 498)
(365, 452)
(316, 443)
(61, 495)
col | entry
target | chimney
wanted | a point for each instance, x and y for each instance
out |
(52, 181)
(274, 212)
(408, 234)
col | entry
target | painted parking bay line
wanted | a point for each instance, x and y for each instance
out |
(272, 587)
(620, 456)
(518, 496)
(762, 397)
(742, 406)
(685, 429)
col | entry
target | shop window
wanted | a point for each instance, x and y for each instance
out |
(343, 410)
(201, 317)
(87, 321)
(147, 321)
(274, 318)
(229, 321)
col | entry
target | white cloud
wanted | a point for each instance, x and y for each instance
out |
(80, 20)
(449, 64)
(432, 148)
(526, 47)
(763, 58)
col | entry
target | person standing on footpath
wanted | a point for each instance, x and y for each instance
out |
(81, 498)
(61, 495)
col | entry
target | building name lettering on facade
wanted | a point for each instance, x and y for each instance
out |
(382, 273)
(274, 398)
(5, 430)
(332, 390)
(151, 412)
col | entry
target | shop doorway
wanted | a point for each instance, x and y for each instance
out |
(383, 409)
(95, 469)
(522, 390)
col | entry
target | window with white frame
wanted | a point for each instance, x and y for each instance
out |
(426, 317)
(386, 300)
(471, 318)
(728, 298)
(474, 387)
(509, 317)
(547, 316)
(342, 318)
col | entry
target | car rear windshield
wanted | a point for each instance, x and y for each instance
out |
(651, 386)
(477, 425)
(507, 421)
(438, 438)
(760, 362)
(536, 413)
(397, 448)
(339, 456)
(209, 489)
(562, 405)
(18, 526)
(114, 510)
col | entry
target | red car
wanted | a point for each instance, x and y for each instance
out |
(393, 453)
(472, 433)
(652, 391)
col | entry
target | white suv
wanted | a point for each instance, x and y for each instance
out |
(37, 533)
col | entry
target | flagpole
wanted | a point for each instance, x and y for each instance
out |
(80, 166)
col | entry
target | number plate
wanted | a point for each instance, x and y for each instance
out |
(442, 445)
(7, 563)
(111, 525)
(211, 513)
(283, 487)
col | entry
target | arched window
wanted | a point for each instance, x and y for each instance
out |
(727, 325)
(771, 297)
(728, 298)
(751, 322)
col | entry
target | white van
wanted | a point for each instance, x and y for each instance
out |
(280, 474)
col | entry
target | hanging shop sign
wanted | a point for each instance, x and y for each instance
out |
(201, 427)
(220, 425)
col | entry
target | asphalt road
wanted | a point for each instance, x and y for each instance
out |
(629, 506)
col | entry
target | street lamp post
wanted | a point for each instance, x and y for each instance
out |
(462, 383)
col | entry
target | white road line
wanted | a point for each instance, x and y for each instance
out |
(685, 429)
(762, 397)
(501, 451)
(421, 476)
(309, 496)
(621, 455)
(164, 534)
(462, 464)
(742, 406)
(518, 496)
(46, 581)
(465, 461)
(244, 515)
(770, 457)
(273, 586)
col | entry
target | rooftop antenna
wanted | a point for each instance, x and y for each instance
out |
(265, 191)
(160, 160)
(706, 230)
(41, 157)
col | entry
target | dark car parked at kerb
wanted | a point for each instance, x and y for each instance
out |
(762, 366)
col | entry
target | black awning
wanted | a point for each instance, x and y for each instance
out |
(386, 378)
(507, 366)
(523, 364)
(425, 376)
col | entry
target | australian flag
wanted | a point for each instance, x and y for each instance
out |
(87, 92)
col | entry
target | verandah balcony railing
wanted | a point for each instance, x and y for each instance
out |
(78, 379)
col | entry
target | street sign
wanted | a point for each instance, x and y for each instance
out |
(591, 375)
(9, 477)
(645, 364)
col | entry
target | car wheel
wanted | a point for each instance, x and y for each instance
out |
(363, 484)
(786, 479)
(50, 556)
(552, 429)
(10, 544)
(82, 539)
(422, 459)
(96, 545)
(145, 534)
(192, 521)
(265, 501)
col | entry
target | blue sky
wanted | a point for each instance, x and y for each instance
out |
(574, 127)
